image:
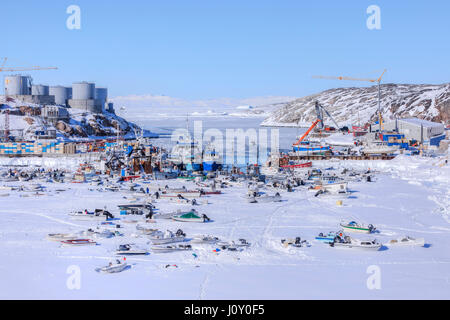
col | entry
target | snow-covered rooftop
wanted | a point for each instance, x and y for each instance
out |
(425, 123)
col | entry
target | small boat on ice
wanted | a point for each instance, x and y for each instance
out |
(191, 216)
(167, 237)
(297, 243)
(328, 238)
(356, 227)
(351, 243)
(234, 246)
(58, 237)
(205, 239)
(407, 241)
(99, 234)
(99, 215)
(78, 243)
(117, 267)
(128, 250)
(171, 248)
(264, 198)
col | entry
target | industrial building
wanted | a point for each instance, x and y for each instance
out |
(82, 95)
(53, 114)
(20, 88)
(422, 131)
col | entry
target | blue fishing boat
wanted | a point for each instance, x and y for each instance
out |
(328, 238)
(211, 159)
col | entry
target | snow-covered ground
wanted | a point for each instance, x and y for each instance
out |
(410, 197)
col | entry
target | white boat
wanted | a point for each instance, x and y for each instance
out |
(185, 194)
(264, 198)
(202, 239)
(336, 187)
(83, 216)
(233, 246)
(351, 243)
(128, 250)
(358, 228)
(146, 230)
(117, 267)
(78, 243)
(171, 248)
(407, 241)
(378, 147)
(58, 237)
(99, 234)
(167, 215)
(167, 237)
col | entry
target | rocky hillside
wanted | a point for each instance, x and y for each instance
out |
(352, 105)
(27, 118)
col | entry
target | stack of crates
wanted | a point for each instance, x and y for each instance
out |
(31, 148)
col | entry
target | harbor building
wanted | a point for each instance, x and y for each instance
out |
(423, 131)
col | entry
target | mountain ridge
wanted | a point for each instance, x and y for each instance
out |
(359, 105)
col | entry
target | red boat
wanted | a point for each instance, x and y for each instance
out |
(130, 178)
(297, 165)
(207, 193)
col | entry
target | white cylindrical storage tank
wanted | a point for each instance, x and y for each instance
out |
(60, 94)
(83, 91)
(101, 94)
(17, 85)
(39, 90)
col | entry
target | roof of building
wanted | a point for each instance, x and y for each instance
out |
(420, 122)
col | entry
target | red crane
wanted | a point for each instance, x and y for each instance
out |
(307, 132)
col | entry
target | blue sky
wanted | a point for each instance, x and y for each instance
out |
(195, 49)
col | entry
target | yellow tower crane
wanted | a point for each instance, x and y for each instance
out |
(359, 79)
(2, 69)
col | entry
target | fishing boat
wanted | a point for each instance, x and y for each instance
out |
(170, 248)
(296, 243)
(167, 237)
(191, 216)
(407, 241)
(356, 227)
(145, 230)
(167, 215)
(351, 243)
(99, 234)
(263, 198)
(128, 250)
(58, 237)
(378, 147)
(117, 267)
(185, 194)
(78, 242)
(87, 216)
(234, 245)
(181, 200)
(202, 239)
(211, 159)
(307, 148)
(186, 152)
(329, 237)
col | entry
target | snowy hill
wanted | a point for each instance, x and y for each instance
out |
(348, 105)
